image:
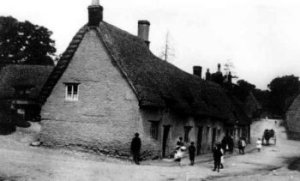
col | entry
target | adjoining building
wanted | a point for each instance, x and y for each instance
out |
(19, 89)
(293, 119)
(108, 86)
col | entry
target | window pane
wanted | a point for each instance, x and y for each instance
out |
(72, 91)
(75, 89)
(154, 129)
(69, 89)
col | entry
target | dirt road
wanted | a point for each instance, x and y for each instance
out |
(21, 162)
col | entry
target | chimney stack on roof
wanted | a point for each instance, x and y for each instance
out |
(219, 67)
(207, 75)
(143, 31)
(197, 70)
(95, 13)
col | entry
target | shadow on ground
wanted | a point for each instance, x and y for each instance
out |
(295, 165)
(6, 129)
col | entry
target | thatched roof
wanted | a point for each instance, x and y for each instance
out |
(12, 76)
(155, 82)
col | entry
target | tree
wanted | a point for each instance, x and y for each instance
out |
(168, 51)
(229, 68)
(25, 43)
(243, 89)
(282, 91)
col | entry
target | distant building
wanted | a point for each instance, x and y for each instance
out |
(293, 119)
(108, 86)
(19, 90)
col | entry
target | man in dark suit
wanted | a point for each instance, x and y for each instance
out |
(136, 144)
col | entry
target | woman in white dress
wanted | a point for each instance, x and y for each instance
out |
(258, 144)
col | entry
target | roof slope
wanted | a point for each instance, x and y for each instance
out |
(156, 83)
(23, 75)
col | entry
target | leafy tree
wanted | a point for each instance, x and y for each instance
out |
(282, 91)
(25, 43)
(243, 89)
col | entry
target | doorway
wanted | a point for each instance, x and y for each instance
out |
(213, 141)
(199, 139)
(165, 139)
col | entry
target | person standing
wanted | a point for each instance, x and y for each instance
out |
(192, 151)
(136, 144)
(258, 144)
(222, 157)
(179, 143)
(243, 145)
(224, 143)
(217, 154)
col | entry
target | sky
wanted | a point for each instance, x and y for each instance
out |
(260, 38)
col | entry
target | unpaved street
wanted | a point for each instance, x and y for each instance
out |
(21, 162)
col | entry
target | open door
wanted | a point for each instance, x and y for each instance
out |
(165, 139)
(214, 133)
(199, 139)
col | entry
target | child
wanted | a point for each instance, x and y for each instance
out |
(222, 158)
(258, 144)
(179, 154)
(192, 150)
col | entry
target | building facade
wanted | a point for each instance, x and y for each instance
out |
(108, 86)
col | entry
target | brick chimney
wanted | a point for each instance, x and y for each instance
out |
(197, 70)
(143, 31)
(219, 67)
(95, 13)
(207, 75)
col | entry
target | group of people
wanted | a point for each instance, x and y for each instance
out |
(218, 155)
(181, 150)
(219, 150)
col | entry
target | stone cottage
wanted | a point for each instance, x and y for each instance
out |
(108, 86)
(293, 119)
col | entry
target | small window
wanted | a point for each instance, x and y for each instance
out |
(71, 91)
(154, 129)
(187, 130)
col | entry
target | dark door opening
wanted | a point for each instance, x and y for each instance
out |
(165, 139)
(199, 139)
(213, 141)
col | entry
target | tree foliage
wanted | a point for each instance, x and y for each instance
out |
(282, 92)
(25, 43)
(243, 89)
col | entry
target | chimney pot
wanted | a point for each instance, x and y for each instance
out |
(207, 74)
(143, 31)
(219, 67)
(95, 3)
(95, 13)
(197, 70)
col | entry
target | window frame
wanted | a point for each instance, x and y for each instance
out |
(187, 130)
(72, 97)
(154, 129)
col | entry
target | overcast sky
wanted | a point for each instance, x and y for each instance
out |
(260, 37)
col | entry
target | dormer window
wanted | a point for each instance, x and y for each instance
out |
(72, 91)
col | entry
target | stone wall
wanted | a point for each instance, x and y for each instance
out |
(107, 114)
(105, 117)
